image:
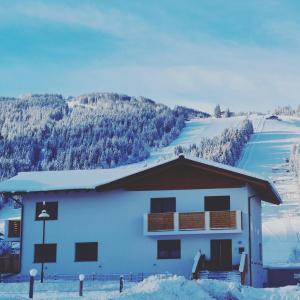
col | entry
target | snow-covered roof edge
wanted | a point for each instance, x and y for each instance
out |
(121, 173)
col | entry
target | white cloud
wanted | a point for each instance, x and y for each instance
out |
(89, 16)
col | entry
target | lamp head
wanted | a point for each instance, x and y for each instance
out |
(44, 214)
(33, 272)
(81, 277)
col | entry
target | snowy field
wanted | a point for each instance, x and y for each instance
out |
(154, 288)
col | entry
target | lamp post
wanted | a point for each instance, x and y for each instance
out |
(32, 273)
(43, 216)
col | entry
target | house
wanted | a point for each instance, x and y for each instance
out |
(150, 219)
(273, 117)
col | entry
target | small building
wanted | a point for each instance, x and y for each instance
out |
(12, 229)
(154, 219)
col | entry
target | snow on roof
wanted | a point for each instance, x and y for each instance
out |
(42, 181)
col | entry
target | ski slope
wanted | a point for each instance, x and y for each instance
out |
(266, 153)
(192, 133)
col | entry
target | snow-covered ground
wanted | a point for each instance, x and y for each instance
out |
(153, 287)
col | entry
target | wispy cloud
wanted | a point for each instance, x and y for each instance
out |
(85, 15)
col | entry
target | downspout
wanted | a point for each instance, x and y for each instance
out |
(249, 229)
(22, 213)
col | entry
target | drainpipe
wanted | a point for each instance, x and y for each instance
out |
(9, 195)
(249, 229)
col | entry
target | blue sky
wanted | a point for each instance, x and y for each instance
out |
(242, 54)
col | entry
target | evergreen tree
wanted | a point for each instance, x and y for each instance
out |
(217, 111)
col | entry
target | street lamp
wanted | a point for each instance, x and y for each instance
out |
(43, 216)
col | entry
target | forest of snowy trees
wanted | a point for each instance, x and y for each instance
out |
(48, 132)
(225, 148)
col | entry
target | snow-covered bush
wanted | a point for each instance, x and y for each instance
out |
(225, 148)
(5, 248)
(294, 160)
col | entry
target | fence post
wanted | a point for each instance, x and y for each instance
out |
(121, 283)
(81, 278)
(32, 274)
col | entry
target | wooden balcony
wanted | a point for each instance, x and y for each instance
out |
(160, 221)
(192, 222)
(222, 219)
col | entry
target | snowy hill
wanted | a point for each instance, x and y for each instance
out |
(100, 130)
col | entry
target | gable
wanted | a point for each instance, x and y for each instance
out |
(181, 177)
(177, 175)
(182, 173)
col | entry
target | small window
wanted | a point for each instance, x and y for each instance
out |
(44, 253)
(14, 228)
(86, 251)
(160, 205)
(217, 203)
(51, 208)
(168, 249)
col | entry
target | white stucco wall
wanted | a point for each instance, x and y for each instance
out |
(115, 220)
(256, 239)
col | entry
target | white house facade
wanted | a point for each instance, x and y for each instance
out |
(148, 220)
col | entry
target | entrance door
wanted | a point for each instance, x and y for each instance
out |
(221, 255)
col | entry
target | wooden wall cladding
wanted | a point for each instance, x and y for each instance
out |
(181, 177)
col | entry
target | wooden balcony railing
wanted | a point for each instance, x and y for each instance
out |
(160, 221)
(222, 219)
(192, 221)
(208, 221)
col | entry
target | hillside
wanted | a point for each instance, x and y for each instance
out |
(48, 132)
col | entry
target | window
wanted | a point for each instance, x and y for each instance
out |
(160, 205)
(44, 253)
(86, 251)
(51, 208)
(14, 228)
(168, 249)
(217, 203)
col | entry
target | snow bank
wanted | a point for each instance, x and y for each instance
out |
(153, 287)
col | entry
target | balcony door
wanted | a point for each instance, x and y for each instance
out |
(217, 203)
(221, 255)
